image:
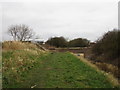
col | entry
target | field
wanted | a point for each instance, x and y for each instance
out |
(33, 68)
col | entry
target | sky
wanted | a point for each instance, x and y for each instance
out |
(72, 19)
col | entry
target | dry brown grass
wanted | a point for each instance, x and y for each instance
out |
(16, 45)
(109, 68)
(18, 58)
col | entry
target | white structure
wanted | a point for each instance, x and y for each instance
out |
(40, 41)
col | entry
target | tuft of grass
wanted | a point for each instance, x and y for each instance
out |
(17, 45)
(109, 68)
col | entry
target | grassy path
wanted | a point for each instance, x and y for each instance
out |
(63, 70)
(53, 70)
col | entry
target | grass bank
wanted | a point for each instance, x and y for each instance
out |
(17, 60)
(54, 70)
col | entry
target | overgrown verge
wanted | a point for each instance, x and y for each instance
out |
(105, 53)
(107, 48)
(105, 70)
(17, 60)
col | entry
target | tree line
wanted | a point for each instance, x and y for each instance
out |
(62, 42)
(23, 33)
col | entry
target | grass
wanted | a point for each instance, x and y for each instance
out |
(110, 76)
(0, 68)
(26, 66)
(17, 60)
(53, 70)
(17, 45)
(16, 64)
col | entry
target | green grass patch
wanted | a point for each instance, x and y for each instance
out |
(52, 70)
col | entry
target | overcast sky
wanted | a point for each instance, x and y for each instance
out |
(69, 19)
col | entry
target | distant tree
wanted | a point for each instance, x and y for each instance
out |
(57, 42)
(20, 32)
(79, 42)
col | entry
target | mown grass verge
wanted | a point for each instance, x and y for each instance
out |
(54, 70)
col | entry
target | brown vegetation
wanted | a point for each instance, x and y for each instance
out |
(105, 53)
(16, 45)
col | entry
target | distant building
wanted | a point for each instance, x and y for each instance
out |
(92, 43)
(39, 41)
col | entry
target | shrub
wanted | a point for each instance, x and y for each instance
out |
(57, 42)
(107, 47)
(79, 42)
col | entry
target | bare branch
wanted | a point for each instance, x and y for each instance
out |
(20, 32)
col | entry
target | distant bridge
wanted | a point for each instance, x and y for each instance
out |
(74, 50)
(77, 50)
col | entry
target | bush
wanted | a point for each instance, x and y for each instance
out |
(79, 42)
(107, 46)
(57, 42)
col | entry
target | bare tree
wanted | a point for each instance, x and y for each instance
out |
(20, 32)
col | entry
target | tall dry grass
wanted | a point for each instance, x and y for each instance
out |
(109, 68)
(18, 58)
(16, 45)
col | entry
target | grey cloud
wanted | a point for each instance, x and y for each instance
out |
(71, 20)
